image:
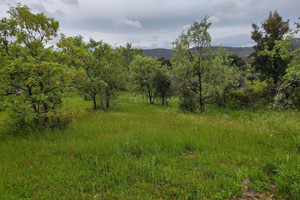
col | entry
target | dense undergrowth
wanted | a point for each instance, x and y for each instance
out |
(141, 151)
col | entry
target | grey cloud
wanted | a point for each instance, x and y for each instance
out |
(234, 40)
(71, 2)
(39, 7)
(214, 19)
(3, 2)
(122, 22)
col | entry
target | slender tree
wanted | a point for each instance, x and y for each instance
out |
(162, 86)
(142, 70)
(191, 61)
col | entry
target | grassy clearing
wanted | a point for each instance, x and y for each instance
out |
(141, 151)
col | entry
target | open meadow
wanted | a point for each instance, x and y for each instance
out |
(141, 151)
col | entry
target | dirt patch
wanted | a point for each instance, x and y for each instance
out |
(192, 154)
(249, 194)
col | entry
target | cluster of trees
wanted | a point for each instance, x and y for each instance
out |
(35, 76)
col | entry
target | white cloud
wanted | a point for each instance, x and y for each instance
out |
(214, 19)
(122, 22)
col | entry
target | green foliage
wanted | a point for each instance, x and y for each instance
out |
(287, 91)
(140, 151)
(237, 61)
(33, 78)
(223, 77)
(186, 104)
(105, 71)
(143, 70)
(252, 78)
(256, 96)
(127, 55)
(100, 67)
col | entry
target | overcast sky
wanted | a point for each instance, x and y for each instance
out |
(156, 23)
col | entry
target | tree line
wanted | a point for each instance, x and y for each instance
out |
(35, 77)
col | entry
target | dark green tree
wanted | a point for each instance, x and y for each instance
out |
(162, 86)
(237, 61)
(274, 29)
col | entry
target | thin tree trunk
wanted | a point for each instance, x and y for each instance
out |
(94, 102)
(201, 103)
(107, 105)
(162, 98)
(45, 111)
(150, 97)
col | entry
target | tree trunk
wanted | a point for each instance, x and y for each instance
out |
(201, 103)
(45, 111)
(94, 102)
(107, 99)
(162, 98)
(107, 102)
(150, 97)
(224, 99)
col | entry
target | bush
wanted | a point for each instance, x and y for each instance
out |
(187, 105)
(253, 96)
(24, 119)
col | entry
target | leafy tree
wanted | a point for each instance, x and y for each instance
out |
(224, 76)
(127, 55)
(108, 62)
(274, 29)
(237, 61)
(143, 70)
(191, 63)
(162, 86)
(34, 79)
(165, 62)
(252, 78)
(100, 65)
(73, 51)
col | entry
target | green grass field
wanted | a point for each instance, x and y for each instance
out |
(141, 151)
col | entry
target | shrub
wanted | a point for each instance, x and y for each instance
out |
(251, 96)
(187, 105)
(25, 119)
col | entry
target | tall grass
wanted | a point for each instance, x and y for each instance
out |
(141, 151)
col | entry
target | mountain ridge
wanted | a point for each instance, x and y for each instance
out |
(242, 52)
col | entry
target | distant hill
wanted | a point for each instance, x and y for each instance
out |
(242, 52)
(296, 43)
(167, 53)
(157, 53)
